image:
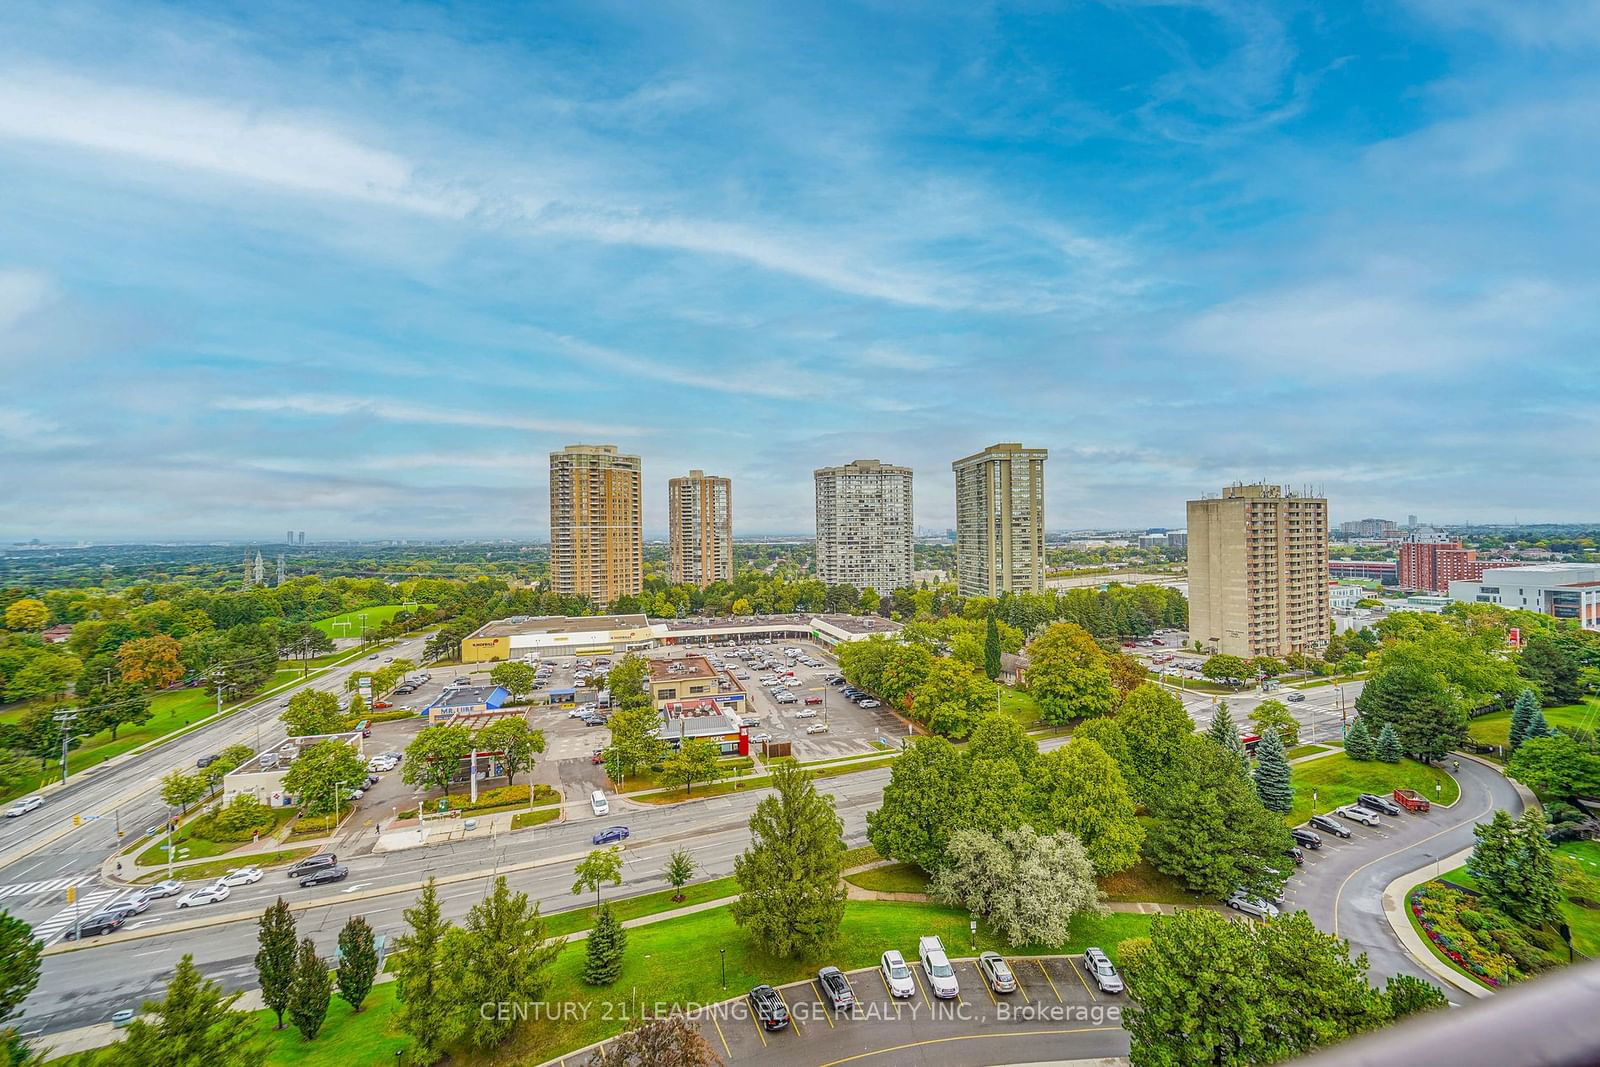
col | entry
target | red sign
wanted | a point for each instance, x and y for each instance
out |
(1514, 637)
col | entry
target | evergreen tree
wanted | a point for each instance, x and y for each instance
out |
(20, 953)
(1388, 747)
(310, 991)
(1412, 996)
(500, 956)
(1272, 776)
(358, 962)
(195, 1024)
(1514, 868)
(603, 951)
(275, 957)
(423, 978)
(1358, 742)
(1225, 733)
(1521, 712)
(1537, 726)
(791, 895)
(991, 648)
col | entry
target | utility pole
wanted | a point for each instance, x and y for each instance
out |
(64, 718)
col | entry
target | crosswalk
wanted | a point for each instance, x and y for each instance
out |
(62, 921)
(49, 885)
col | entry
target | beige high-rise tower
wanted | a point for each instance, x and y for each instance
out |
(1000, 521)
(864, 525)
(700, 514)
(1258, 571)
(596, 523)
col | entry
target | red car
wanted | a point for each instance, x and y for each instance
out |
(379, 705)
(599, 756)
(813, 700)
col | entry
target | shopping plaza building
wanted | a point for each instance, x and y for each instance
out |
(529, 637)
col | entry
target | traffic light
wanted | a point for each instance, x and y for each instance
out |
(72, 894)
(77, 820)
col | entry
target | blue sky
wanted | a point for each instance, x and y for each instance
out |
(357, 268)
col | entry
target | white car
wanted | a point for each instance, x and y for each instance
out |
(22, 807)
(242, 876)
(936, 966)
(817, 728)
(1356, 813)
(207, 895)
(869, 703)
(806, 713)
(166, 888)
(896, 975)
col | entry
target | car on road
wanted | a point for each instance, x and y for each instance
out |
(998, 972)
(806, 713)
(1356, 813)
(1261, 909)
(1306, 838)
(1329, 824)
(336, 873)
(610, 834)
(768, 1007)
(1382, 805)
(204, 895)
(22, 807)
(169, 887)
(1295, 698)
(94, 926)
(817, 728)
(896, 975)
(836, 991)
(205, 761)
(128, 907)
(313, 863)
(868, 703)
(936, 966)
(241, 876)
(1098, 967)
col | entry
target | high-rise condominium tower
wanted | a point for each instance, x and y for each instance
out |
(596, 526)
(1258, 571)
(864, 525)
(700, 514)
(1000, 521)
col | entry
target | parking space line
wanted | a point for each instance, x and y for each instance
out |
(1040, 964)
(792, 1020)
(827, 1012)
(760, 1030)
(985, 980)
(914, 979)
(1081, 979)
(967, 1037)
(720, 1037)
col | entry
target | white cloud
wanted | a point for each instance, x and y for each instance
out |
(1556, 24)
(327, 405)
(22, 292)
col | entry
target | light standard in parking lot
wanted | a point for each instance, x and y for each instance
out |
(723, 953)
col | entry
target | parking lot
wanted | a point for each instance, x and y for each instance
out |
(1314, 886)
(1053, 1015)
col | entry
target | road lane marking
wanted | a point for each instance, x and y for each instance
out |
(1053, 989)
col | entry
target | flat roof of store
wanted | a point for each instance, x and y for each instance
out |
(690, 666)
(559, 624)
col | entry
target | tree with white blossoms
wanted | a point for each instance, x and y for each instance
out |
(1027, 886)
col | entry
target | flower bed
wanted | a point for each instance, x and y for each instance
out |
(1476, 938)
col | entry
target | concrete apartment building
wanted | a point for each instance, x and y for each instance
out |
(596, 523)
(1560, 590)
(1000, 521)
(700, 515)
(1258, 571)
(1430, 561)
(864, 525)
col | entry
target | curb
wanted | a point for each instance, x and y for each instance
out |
(1394, 898)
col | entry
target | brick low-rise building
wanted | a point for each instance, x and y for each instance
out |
(1430, 561)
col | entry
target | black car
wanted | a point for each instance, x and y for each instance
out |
(205, 761)
(1306, 838)
(770, 1011)
(370, 781)
(313, 863)
(1330, 824)
(836, 989)
(95, 925)
(327, 874)
(1295, 853)
(1382, 805)
(593, 720)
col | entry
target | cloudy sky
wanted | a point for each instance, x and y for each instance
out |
(357, 268)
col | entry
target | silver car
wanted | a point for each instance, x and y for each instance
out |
(1261, 909)
(998, 972)
(1356, 813)
(1099, 968)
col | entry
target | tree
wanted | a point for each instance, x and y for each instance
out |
(433, 758)
(153, 661)
(1081, 790)
(1068, 675)
(1358, 744)
(423, 978)
(1127, 674)
(180, 790)
(322, 774)
(1027, 886)
(951, 698)
(275, 957)
(111, 707)
(1537, 726)
(1557, 766)
(1229, 670)
(604, 949)
(991, 648)
(1109, 735)
(27, 614)
(358, 962)
(1388, 746)
(1272, 777)
(47, 674)
(791, 895)
(356, 711)
(600, 867)
(1521, 713)
(697, 760)
(20, 953)
(1514, 869)
(233, 757)
(1412, 996)
(741, 608)
(636, 743)
(515, 741)
(1272, 716)
(681, 867)
(1000, 736)
(310, 991)
(195, 1024)
(664, 1041)
(926, 799)
(1266, 666)
(1211, 831)
(1156, 728)
(629, 682)
(502, 957)
(312, 713)
(1425, 710)
(1550, 665)
(515, 677)
(1226, 735)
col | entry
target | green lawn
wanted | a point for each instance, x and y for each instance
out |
(1495, 729)
(204, 847)
(1305, 750)
(895, 878)
(1584, 922)
(348, 1038)
(1019, 705)
(566, 922)
(1338, 779)
(349, 623)
(523, 820)
(1142, 883)
(202, 872)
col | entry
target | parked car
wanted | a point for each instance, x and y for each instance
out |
(998, 972)
(836, 991)
(22, 807)
(610, 834)
(1098, 967)
(1412, 801)
(787, 698)
(380, 705)
(768, 1008)
(1356, 813)
(169, 887)
(1261, 909)
(936, 966)
(750, 720)
(1296, 853)
(806, 713)
(598, 756)
(813, 700)
(1306, 838)
(312, 863)
(896, 975)
(868, 703)
(817, 728)
(337, 873)
(1382, 805)
(204, 895)
(594, 720)
(1330, 824)
(757, 739)
(95, 925)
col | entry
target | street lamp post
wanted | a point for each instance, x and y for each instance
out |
(723, 954)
